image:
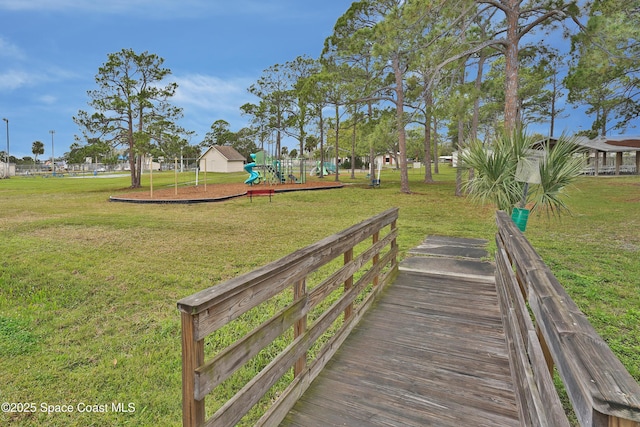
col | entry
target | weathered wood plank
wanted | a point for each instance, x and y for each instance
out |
(594, 377)
(348, 283)
(234, 409)
(206, 311)
(601, 391)
(300, 327)
(290, 396)
(432, 398)
(488, 379)
(544, 381)
(310, 256)
(334, 281)
(193, 411)
(407, 364)
(539, 401)
(223, 365)
(401, 402)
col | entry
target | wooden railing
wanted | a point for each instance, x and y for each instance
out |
(600, 389)
(313, 322)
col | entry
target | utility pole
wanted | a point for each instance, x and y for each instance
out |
(53, 157)
(8, 156)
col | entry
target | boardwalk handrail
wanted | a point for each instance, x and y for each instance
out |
(600, 389)
(357, 281)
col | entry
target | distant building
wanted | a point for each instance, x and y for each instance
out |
(7, 170)
(221, 158)
(613, 155)
(386, 160)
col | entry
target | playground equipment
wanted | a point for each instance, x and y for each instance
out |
(327, 168)
(330, 167)
(295, 170)
(375, 182)
(254, 176)
(272, 169)
(293, 179)
(275, 171)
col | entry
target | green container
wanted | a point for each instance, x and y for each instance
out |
(520, 217)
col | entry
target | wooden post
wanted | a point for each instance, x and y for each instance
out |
(175, 174)
(151, 178)
(620, 422)
(376, 258)
(300, 327)
(193, 412)
(545, 350)
(348, 257)
(618, 162)
(394, 242)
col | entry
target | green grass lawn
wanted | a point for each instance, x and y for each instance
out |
(88, 288)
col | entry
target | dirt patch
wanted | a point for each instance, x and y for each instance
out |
(214, 192)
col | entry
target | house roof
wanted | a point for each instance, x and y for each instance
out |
(227, 152)
(610, 144)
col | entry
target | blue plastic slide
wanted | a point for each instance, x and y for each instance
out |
(254, 176)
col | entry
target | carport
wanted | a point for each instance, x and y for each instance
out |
(600, 161)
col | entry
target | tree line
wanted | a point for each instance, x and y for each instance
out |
(397, 77)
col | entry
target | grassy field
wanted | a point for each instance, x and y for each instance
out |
(88, 288)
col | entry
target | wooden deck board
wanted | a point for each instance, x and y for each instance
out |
(432, 351)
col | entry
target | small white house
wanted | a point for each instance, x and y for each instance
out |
(221, 158)
(385, 160)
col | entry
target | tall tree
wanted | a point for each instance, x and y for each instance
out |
(378, 26)
(320, 85)
(383, 137)
(37, 148)
(244, 143)
(606, 61)
(395, 32)
(535, 85)
(274, 89)
(220, 134)
(99, 151)
(129, 102)
(259, 121)
(460, 106)
(301, 73)
(557, 93)
(348, 57)
(521, 18)
(337, 93)
(446, 37)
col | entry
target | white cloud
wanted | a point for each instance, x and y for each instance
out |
(212, 93)
(205, 99)
(144, 7)
(13, 79)
(166, 8)
(9, 50)
(48, 99)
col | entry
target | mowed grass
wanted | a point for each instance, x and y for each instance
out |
(88, 288)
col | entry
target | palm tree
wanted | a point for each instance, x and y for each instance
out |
(495, 172)
(37, 148)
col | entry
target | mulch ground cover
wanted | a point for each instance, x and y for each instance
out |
(214, 192)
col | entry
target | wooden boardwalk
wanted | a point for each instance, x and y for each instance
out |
(432, 351)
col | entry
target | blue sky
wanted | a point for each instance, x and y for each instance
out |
(50, 52)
